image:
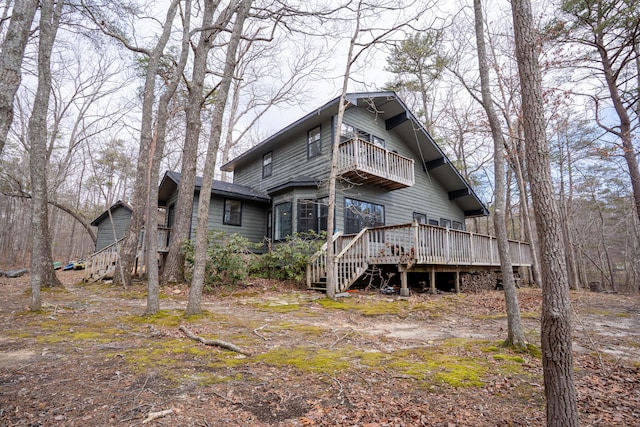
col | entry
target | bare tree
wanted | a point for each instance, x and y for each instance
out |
(196, 99)
(612, 30)
(42, 272)
(253, 96)
(515, 335)
(141, 186)
(557, 357)
(11, 55)
(358, 47)
(204, 199)
(157, 150)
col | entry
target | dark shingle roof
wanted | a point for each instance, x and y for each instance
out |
(222, 188)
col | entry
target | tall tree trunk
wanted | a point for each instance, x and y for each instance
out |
(181, 227)
(565, 209)
(331, 266)
(204, 200)
(128, 250)
(11, 55)
(153, 281)
(557, 357)
(42, 272)
(624, 132)
(515, 336)
(526, 213)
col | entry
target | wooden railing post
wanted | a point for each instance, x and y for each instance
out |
(415, 228)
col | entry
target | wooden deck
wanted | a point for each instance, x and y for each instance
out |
(411, 247)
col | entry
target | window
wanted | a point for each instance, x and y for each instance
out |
(377, 141)
(269, 225)
(312, 215)
(282, 220)
(433, 222)
(232, 212)
(266, 165)
(457, 225)
(171, 215)
(306, 217)
(359, 214)
(314, 142)
(347, 132)
(445, 222)
(420, 217)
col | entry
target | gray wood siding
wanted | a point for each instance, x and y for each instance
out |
(289, 161)
(121, 218)
(254, 219)
(427, 196)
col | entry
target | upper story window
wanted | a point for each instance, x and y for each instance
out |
(457, 225)
(420, 217)
(445, 222)
(232, 212)
(359, 214)
(266, 165)
(377, 141)
(348, 132)
(314, 142)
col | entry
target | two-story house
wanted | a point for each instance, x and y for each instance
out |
(400, 201)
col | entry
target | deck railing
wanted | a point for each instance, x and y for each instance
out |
(358, 155)
(103, 263)
(414, 244)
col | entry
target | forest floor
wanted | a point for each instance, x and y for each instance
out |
(91, 358)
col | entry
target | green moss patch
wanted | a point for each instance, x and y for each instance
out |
(307, 359)
(169, 318)
(374, 306)
(277, 306)
(512, 358)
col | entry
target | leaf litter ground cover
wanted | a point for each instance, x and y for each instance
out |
(92, 358)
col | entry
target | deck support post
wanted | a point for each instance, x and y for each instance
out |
(432, 281)
(457, 281)
(404, 285)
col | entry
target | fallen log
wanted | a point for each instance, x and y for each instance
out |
(215, 343)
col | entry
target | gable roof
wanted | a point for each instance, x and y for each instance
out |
(390, 108)
(117, 205)
(171, 179)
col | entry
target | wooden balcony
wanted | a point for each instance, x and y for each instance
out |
(362, 162)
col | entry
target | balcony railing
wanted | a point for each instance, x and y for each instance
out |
(363, 162)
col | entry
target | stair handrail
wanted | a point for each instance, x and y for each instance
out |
(347, 273)
(352, 242)
(316, 259)
(90, 261)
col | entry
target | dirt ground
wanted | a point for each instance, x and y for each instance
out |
(91, 358)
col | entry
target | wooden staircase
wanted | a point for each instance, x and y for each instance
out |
(351, 262)
(102, 264)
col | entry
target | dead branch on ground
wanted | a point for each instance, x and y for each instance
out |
(215, 343)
